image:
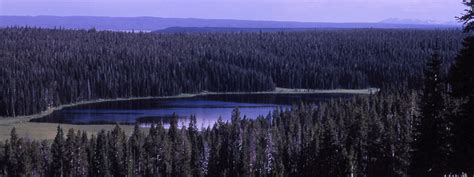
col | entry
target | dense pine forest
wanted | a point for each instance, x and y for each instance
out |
(396, 132)
(363, 136)
(43, 68)
(421, 123)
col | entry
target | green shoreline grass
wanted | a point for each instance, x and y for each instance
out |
(33, 130)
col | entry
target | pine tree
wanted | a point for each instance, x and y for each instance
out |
(163, 150)
(70, 153)
(184, 154)
(58, 154)
(23, 158)
(197, 147)
(462, 82)
(10, 150)
(117, 150)
(2, 159)
(217, 142)
(468, 17)
(236, 142)
(100, 164)
(136, 151)
(45, 153)
(90, 155)
(151, 153)
(180, 149)
(16, 156)
(332, 158)
(81, 163)
(35, 156)
(431, 147)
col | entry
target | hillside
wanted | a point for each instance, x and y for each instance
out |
(46, 68)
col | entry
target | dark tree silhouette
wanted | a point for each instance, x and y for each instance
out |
(462, 82)
(432, 135)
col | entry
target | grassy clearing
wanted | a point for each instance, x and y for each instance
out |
(39, 131)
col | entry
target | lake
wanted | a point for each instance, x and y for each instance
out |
(206, 108)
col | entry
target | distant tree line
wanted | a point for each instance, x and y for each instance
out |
(43, 68)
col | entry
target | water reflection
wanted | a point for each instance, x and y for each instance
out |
(207, 109)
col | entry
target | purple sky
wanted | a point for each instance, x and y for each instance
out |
(280, 10)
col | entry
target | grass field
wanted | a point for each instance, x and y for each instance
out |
(40, 131)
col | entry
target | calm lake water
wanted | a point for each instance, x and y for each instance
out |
(207, 109)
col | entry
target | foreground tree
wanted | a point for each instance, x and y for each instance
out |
(468, 17)
(431, 144)
(58, 154)
(462, 82)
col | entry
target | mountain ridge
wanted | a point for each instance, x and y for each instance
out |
(160, 23)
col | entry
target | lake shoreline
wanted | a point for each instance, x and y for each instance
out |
(41, 131)
(278, 90)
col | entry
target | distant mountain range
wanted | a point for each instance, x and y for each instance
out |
(223, 29)
(419, 22)
(183, 24)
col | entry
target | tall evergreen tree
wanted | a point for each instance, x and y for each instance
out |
(58, 154)
(81, 163)
(70, 153)
(100, 164)
(2, 159)
(332, 159)
(136, 151)
(117, 150)
(462, 82)
(16, 156)
(45, 153)
(431, 147)
(468, 17)
(197, 147)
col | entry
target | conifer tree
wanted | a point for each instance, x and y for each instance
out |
(91, 155)
(2, 159)
(197, 147)
(431, 147)
(468, 17)
(81, 163)
(462, 82)
(117, 150)
(45, 154)
(16, 156)
(151, 158)
(23, 158)
(58, 154)
(332, 155)
(70, 156)
(33, 152)
(163, 150)
(100, 164)
(136, 151)
(184, 154)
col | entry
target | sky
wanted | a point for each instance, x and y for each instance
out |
(275, 10)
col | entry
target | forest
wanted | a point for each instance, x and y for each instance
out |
(419, 125)
(44, 68)
(367, 135)
(396, 132)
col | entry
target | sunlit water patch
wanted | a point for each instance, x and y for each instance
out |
(207, 109)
